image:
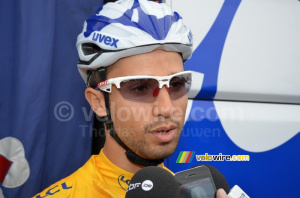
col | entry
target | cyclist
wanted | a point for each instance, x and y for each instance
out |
(131, 57)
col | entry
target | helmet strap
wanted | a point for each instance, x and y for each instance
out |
(133, 157)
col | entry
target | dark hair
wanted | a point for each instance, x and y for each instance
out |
(93, 78)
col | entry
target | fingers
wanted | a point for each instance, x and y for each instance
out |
(221, 193)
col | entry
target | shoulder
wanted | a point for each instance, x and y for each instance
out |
(65, 187)
(61, 188)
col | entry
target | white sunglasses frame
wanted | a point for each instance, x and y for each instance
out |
(162, 80)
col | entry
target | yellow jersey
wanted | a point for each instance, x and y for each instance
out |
(98, 177)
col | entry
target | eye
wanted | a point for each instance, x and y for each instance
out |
(140, 88)
(177, 83)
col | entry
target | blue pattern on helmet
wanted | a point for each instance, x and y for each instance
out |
(157, 28)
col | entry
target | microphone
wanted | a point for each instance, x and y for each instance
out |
(153, 181)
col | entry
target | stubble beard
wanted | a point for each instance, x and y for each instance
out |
(140, 146)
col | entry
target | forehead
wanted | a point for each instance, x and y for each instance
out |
(156, 63)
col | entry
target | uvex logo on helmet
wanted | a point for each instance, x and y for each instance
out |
(107, 40)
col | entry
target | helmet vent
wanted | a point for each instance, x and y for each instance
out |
(90, 48)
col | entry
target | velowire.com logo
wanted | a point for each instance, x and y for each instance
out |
(187, 157)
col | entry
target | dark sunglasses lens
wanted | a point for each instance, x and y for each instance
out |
(139, 89)
(180, 85)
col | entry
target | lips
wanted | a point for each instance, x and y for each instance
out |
(164, 134)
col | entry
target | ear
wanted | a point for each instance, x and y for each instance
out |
(96, 100)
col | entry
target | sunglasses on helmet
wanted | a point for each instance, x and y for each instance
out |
(146, 88)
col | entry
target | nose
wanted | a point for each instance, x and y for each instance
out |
(163, 105)
(156, 91)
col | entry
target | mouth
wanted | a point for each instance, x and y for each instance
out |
(164, 133)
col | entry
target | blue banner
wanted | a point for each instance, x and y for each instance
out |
(45, 119)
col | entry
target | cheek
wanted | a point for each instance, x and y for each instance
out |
(120, 111)
(180, 106)
(128, 115)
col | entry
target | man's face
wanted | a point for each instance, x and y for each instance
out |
(151, 130)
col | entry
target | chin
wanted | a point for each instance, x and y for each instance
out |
(161, 152)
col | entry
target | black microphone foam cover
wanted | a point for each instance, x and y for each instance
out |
(218, 178)
(153, 181)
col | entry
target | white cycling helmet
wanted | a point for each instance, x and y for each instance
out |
(129, 27)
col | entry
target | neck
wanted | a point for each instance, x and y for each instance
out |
(116, 154)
